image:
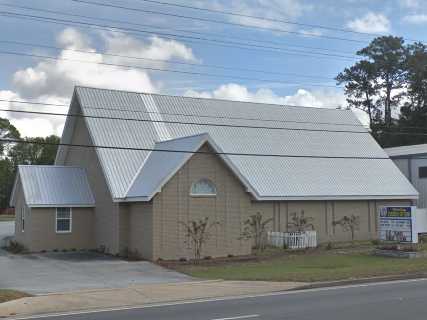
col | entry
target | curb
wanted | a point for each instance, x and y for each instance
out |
(338, 283)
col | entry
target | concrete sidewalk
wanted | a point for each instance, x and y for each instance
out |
(137, 295)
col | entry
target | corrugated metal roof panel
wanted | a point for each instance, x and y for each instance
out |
(161, 165)
(407, 150)
(271, 176)
(55, 186)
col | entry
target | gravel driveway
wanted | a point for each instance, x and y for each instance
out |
(56, 272)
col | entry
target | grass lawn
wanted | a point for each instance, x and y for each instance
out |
(7, 295)
(7, 217)
(311, 267)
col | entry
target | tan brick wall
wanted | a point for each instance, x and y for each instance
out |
(173, 205)
(21, 237)
(155, 229)
(106, 227)
(42, 234)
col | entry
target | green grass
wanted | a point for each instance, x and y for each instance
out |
(7, 217)
(8, 295)
(309, 268)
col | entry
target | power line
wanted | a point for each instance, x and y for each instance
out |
(172, 36)
(27, 44)
(266, 19)
(209, 124)
(189, 152)
(119, 108)
(110, 5)
(169, 28)
(205, 74)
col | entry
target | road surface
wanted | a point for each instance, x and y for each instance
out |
(393, 300)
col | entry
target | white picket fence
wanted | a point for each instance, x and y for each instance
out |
(293, 240)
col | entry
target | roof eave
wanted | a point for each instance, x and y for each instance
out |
(61, 205)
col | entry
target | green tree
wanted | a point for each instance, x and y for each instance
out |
(361, 88)
(198, 233)
(41, 152)
(7, 178)
(388, 54)
(255, 227)
(7, 131)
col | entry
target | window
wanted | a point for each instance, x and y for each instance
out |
(22, 219)
(63, 220)
(203, 188)
(422, 172)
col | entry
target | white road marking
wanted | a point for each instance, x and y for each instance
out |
(167, 304)
(239, 317)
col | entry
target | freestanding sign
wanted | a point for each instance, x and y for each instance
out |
(398, 224)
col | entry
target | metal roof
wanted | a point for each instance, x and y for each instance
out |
(271, 177)
(53, 186)
(407, 150)
(160, 165)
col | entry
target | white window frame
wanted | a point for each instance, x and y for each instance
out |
(56, 220)
(203, 195)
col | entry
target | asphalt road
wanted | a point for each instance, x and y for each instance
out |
(398, 300)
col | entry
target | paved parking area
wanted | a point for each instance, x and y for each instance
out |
(56, 272)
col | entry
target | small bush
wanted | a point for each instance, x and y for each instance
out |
(409, 247)
(207, 258)
(376, 242)
(64, 250)
(15, 247)
(131, 255)
(55, 250)
(329, 246)
(422, 238)
(230, 255)
(183, 259)
(74, 249)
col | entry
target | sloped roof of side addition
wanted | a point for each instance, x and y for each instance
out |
(53, 186)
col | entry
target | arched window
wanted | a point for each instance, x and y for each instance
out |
(203, 187)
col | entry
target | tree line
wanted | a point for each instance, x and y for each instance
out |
(389, 83)
(14, 154)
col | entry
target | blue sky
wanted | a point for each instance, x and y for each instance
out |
(300, 57)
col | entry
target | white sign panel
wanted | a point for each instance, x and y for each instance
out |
(397, 224)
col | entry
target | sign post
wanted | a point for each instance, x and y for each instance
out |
(398, 224)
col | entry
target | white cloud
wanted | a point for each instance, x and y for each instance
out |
(53, 81)
(415, 19)
(312, 32)
(411, 4)
(271, 9)
(233, 91)
(158, 48)
(370, 23)
(302, 97)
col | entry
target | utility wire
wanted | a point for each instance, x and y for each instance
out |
(221, 36)
(28, 44)
(209, 124)
(231, 13)
(110, 5)
(172, 36)
(207, 116)
(119, 108)
(6, 140)
(204, 74)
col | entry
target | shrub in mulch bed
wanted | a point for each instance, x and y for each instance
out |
(410, 247)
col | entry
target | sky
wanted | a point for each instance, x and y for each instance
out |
(246, 59)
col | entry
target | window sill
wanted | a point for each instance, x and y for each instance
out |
(203, 195)
(63, 232)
